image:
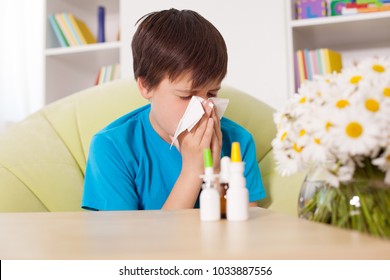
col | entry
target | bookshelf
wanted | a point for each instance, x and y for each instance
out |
(354, 36)
(70, 69)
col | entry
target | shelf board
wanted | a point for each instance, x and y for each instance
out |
(83, 48)
(342, 31)
(339, 19)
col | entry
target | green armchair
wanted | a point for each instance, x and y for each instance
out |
(43, 158)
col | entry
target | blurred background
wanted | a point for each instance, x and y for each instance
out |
(35, 69)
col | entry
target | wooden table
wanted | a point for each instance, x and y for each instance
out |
(178, 235)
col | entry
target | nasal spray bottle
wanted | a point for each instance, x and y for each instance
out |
(224, 183)
(237, 198)
(209, 200)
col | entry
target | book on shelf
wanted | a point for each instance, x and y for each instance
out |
(332, 61)
(365, 8)
(58, 32)
(319, 62)
(77, 30)
(311, 8)
(107, 73)
(323, 61)
(65, 29)
(296, 70)
(310, 63)
(86, 32)
(70, 31)
(314, 62)
(320, 8)
(302, 76)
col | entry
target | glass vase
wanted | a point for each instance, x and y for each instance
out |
(362, 204)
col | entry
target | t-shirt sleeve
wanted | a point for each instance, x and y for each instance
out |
(252, 173)
(107, 185)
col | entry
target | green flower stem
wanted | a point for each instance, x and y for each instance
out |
(342, 220)
(371, 214)
(366, 203)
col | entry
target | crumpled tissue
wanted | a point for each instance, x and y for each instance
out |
(195, 111)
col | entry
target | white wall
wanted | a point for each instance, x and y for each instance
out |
(255, 35)
(21, 64)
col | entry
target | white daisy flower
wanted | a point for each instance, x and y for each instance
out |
(288, 161)
(351, 76)
(315, 151)
(355, 133)
(377, 66)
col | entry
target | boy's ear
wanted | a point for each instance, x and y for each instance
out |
(143, 88)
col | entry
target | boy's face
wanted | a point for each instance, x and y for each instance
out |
(169, 101)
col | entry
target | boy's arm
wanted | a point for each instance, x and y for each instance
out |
(192, 144)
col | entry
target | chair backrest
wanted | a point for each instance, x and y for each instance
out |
(88, 111)
(43, 158)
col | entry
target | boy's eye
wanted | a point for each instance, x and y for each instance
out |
(212, 94)
(186, 97)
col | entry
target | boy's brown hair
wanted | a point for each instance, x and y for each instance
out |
(172, 42)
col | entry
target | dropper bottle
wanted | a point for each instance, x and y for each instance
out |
(237, 197)
(209, 201)
(224, 183)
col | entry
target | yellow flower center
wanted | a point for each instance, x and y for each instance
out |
(297, 148)
(342, 103)
(354, 129)
(372, 105)
(355, 79)
(388, 158)
(302, 132)
(386, 92)
(378, 68)
(317, 141)
(284, 135)
(328, 125)
(302, 100)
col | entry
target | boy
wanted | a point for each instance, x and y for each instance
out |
(177, 55)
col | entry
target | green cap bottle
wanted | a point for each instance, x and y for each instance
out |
(208, 159)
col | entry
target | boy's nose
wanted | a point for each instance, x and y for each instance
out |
(208, 105)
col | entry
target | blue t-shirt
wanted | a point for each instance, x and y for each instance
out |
(130, 167)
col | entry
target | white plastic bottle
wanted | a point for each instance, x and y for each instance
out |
(237, 197)
(209, 200)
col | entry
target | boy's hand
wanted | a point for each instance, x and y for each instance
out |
(205, 134)
(192, 144)
(216, 141)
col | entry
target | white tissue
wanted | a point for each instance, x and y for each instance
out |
(195, 111)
